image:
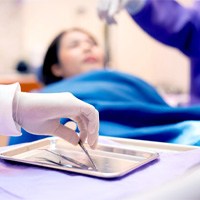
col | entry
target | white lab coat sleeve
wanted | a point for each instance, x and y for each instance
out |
(7, 124)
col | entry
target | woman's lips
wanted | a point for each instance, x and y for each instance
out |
(90, 60)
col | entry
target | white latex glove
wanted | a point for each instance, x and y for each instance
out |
(107, 9)
(40, 113)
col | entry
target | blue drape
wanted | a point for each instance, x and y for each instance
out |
(129, 108)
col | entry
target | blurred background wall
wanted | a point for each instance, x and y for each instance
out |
(27, 27)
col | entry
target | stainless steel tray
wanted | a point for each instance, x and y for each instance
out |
(111, 160)
(150, 145)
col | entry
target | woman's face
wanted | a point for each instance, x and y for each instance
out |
(77, 54)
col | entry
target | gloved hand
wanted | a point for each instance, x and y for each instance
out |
(107, 9)
(40, 113)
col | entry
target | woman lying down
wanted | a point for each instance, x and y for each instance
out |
(128, 106)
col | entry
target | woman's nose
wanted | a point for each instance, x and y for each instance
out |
(86, 46)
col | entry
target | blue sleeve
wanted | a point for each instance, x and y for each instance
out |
(172, 24)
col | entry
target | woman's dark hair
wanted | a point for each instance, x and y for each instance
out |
(51, 56)
(50, 59)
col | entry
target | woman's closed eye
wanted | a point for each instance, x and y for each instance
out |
(73, 44)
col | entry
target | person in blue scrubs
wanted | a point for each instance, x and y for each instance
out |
(168, 22)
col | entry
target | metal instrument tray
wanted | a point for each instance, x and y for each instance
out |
(111, 160)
